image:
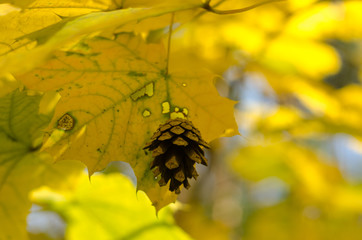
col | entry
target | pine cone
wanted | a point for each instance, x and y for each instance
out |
(176, 148)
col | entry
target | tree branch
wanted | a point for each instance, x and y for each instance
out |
(208, 8)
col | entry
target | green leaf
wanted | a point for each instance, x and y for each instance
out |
(108, 208)
(22, 167)
(19, 120)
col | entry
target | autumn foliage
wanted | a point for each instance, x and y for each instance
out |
(272, 87)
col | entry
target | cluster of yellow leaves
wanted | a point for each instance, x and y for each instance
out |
(106, 62)
(291, 45)
(316, 202)
(114, 87)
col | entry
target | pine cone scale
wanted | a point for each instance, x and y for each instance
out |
(161, 149)
(180, 175)
(179, 141)
(177, 130)
(165, 136)
(186, 126)
(175, 122)
(173, 162)
(192, 155)
(192, 136)
(165, 127)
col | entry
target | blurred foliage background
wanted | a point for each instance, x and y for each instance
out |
(296, 170)
(295, 173)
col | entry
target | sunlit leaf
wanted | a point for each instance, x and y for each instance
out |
(86, 24)
(54, 5)
(20, 3)
(16, 26)
(111, 198)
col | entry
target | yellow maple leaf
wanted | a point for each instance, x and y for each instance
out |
(114, 96)
(21, 30)
(68, 30)
(58, 5)
(20, 3)
(18, 28)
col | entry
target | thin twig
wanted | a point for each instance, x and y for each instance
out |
(207, 7)
(169, 43)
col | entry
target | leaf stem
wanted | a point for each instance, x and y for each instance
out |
(208, 8)
(169, 43)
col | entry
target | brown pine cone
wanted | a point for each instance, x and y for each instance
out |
(176, 148)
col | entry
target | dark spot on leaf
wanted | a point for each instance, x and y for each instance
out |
(136, 74)
(66, 122)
